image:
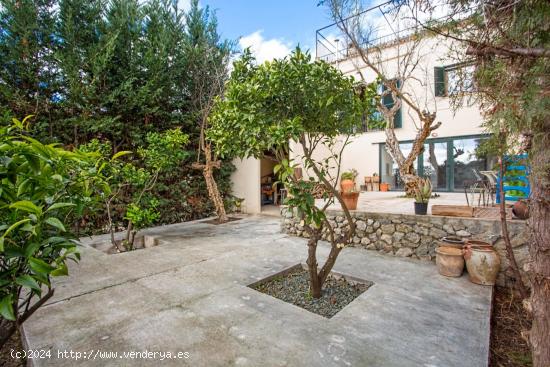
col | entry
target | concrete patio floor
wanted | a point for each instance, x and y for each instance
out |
(393, 202)
(190, 294)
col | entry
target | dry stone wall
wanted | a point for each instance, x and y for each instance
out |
(417, 236)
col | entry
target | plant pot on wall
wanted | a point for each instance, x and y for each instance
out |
(350, 199)
(347, 185)
(384, 186)
(420, 208)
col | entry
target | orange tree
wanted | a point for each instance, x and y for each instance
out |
(311, 104)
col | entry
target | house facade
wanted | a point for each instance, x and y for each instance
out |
(432, 80)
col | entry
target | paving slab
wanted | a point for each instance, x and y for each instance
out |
(190, 295)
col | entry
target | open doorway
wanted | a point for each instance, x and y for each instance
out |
(272, 192)
(269, 188)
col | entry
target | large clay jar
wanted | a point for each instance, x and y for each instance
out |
(479, 244)
(521, 209)
(483, 264)
(452, 241)
(449, 260)
(347, 185)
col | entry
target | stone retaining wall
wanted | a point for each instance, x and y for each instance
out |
(417, 236)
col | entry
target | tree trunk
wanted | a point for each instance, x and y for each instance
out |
(314, 283)
(506, 235)
(212, 187)
(7, 329)
(539, 222)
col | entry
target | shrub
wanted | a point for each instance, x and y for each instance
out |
(44, 189)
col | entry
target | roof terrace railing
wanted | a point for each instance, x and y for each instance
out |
(390, 24)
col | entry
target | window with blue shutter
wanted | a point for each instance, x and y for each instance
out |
(388, 101)
(439, 81)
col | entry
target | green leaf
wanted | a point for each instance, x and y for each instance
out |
(23, 187)
(57, 177)
(40, 266)
(15, 225)
(27, 206)
(54, 222)
(120, 154)
(30, 248)
(59, 205)
(6, 308)
(28, 281)
(60, 271)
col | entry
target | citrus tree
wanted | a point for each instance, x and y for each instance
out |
(43, 190)
(312, 104)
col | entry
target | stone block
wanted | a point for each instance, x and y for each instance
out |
(388, 228)
(412, 237)
(404, 252)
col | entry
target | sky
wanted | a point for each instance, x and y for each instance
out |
(272, 28)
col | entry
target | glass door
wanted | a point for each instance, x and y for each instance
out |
(468, 162)
(434, 164)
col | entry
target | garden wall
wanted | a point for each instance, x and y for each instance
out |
(417, 236)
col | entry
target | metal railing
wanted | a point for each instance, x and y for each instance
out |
(329, 38)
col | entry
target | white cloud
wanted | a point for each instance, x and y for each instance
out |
(264, 49)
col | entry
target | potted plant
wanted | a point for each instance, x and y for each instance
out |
(349, 193)
(239, 205)
(422, 194)
(347, 180)
(350, 199)
(375, 178)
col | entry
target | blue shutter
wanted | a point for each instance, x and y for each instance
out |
(387, 100)
(439, 81)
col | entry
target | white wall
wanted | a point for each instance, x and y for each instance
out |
(246, 183)
(363, 153)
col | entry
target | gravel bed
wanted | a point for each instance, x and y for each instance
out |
(293, 287)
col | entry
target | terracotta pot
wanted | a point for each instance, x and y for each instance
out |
(483, 264)
(521, 209)
(478, 244)
(452, 241)
(347, 185)
(384, 186)
(350, 199)
(449, 260)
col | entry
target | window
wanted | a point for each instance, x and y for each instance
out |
(453, 79)
(377, 122)
(449, 163)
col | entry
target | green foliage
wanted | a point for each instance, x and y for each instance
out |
(349, 175)
(112, 71)
(42, 193)
(293, 99)
(423, 190)
(142, 217)
(267, 105)
(164, 151)
(129, 186)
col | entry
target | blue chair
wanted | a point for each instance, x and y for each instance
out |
(514, 163)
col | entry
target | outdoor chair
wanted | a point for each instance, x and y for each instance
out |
(491, 184)
(477, 186)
